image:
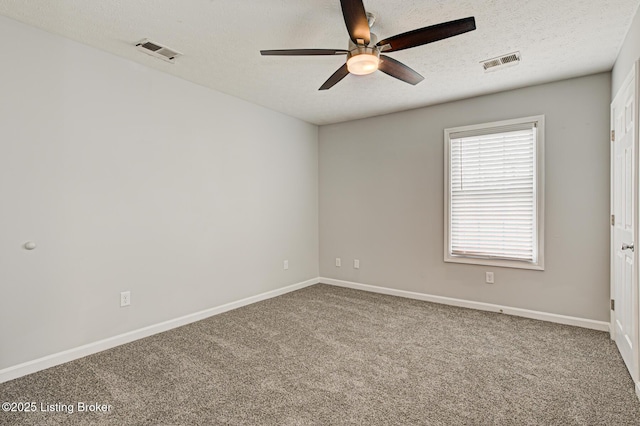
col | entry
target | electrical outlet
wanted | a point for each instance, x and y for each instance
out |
(489, 277)
(338, 262)
(286, 264)
(356, 264)
(125, 298)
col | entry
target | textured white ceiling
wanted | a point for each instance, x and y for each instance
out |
(221, 40)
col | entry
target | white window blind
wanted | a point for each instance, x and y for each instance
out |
(493, 205)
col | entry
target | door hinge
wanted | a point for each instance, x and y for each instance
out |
(613, 220)
(613, 305)
(613, 136)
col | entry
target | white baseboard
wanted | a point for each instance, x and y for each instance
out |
(526, 313)
(48, 361)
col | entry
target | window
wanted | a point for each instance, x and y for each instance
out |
(494, 195)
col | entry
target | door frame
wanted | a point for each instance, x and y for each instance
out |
(633, 73)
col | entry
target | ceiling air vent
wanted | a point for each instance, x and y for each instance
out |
(494, 64)
(154, 49)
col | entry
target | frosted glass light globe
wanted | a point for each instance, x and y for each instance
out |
(363, 64)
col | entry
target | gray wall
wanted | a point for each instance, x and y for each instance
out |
(131, 179)
(629, 53)
(381, 200)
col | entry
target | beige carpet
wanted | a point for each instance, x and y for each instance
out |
(327, 355)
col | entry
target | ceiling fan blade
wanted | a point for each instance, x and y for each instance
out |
(335, 78)
(399, 70)
(427, 34)
(356, 20)
(303, 52)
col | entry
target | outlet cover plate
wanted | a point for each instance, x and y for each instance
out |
(125, 298)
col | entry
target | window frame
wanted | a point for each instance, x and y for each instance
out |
(484, 128)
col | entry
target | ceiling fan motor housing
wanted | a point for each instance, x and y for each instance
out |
(361, 59)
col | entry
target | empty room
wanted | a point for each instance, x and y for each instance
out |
(325, 212)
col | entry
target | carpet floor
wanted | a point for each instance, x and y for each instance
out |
(327, 355)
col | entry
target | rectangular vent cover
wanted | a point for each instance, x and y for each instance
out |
(493, 64)
(154, 49)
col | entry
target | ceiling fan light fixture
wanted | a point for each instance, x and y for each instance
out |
(363, 60)
(363, 64)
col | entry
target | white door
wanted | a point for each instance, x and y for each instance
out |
(624, 170)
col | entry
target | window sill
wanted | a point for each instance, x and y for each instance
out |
(495, 262)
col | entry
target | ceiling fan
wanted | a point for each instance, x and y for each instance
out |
(364, 55)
